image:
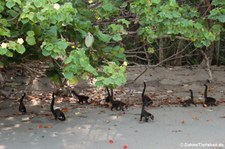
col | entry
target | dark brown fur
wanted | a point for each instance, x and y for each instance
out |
(145, 114)
(81, 98)
(148, 101)
(22, 107)
(58, 114)
(118, 105)
(190, 101)
(209, 101)
(110, 96)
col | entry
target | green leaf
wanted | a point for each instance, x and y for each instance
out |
(89, 40)
(198, 26)
(30, 33)
(103, 37)
(62, 44)
(117, 37)
(46, 53)
(74, 80)
(4, 31)
(52, 32)
(10, 4)
(107, 7)
(218, 2)
(54, 1)
(68, 75)
(13, 45)
(3, 51)
(20, 49)
(156, 1)
(38, 4)
(151, 50)
(49, 47)
(4, 22)
(30, 40)
(221, 18)
(9, 54)
(107, 81)
(68, 60)
(176, 14)
(17, 1)
(40, 17)
(173, 3)
(124, 21)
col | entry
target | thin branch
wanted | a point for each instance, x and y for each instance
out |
(167, 59)
(134, 49)
(137, 57)
(30, 70)
(138, 52)
(147, 56)
(207, 65)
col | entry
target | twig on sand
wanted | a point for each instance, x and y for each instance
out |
(207, 65)
(163, 61)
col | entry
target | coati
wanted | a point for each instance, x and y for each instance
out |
(190, 101)
(145, 113)
(209, 101)
(58, 114)
(118, 105)
(22, 107)
(81, 98)
(109, 97)
(145, 98)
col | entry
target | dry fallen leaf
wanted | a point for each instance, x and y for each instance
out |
(40, 126)
(176, 131)
(25, 119)
(195, 118)
(65, 109)
(48, 126)
(169, 91)
(77, 113)
(183, 122)
(47, 115)
(111, 141)
(125, 146)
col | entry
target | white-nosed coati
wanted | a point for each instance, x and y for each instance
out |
(22, 107)
(209, 101)
(145, 98)
(81, 98)
(118, 105)
(109, 97)
(146, 101)
(58, 114)
(190, 101)
(145, 113)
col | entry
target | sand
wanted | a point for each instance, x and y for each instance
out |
(95, 127)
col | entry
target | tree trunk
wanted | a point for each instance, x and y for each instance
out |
(178, 57)
(161, 52)
(209, 50)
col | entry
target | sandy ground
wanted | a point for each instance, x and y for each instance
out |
(100, 128)
(94, 127)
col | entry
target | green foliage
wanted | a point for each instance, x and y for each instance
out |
(218, 13)
(78, 64)
(30, 39)
(167, 18)
(112, 75)
(90, 37)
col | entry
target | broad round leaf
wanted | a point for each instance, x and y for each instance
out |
(89, 40)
